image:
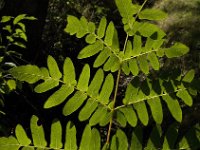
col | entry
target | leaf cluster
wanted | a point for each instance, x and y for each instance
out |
(96, 98)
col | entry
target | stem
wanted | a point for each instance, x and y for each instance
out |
(117, 82)
(112, 111)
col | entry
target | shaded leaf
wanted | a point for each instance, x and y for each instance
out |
(156, 109)
(136, 140)
(141, 110)
(185, 96)
(189, 76)
(174, 107)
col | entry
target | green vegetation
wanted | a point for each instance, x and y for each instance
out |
(115, 116)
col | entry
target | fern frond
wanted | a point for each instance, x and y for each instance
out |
(97, 93)
(153, 92)
(90, 138)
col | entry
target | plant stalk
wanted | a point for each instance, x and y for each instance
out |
(113, 106)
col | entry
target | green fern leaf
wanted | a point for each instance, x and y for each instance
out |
(130, 115)
(56, 135)
(122, 139)
(90, 38)
(114, 143)
(70, 137)
(133, 66)
(69, 76)
(9, 143)
(83, 28)
(144, 66)
(141, 110)
(128, 51)
(97, 116)
(46, 86)
(106, 119)
(137, 45)
(189, 76)
(185, 96)
(28, 73)
(19, 18)
(120, 118)
(156, 109)
(86, 138)
(130, 94)
(72, 25)
(109, 34)
(22, 136)
(174, 107)
(151, 30)
(53, 68)
(74, 103)
(107, 89)
(136, 140)
(95, 142)
(177, 50)
(59, 96)
(95, 85)
(37, 133)
(102, 27)
(91, 27)
(152, 14)
(84, 78)
(115, 42)
(148, 45)
(125, 68)
(87, 110)
(90, 50)
(153, 60)
(112, 64)
(125, 8)
(102, 57)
